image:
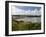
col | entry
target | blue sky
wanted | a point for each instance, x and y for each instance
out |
(26, 10)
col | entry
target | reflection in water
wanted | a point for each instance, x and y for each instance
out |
(28, 19)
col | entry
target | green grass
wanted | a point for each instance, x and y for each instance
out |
(21, 25)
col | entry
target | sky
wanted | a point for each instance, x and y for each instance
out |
(26, 10)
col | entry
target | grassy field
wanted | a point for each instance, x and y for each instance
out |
(21, 25)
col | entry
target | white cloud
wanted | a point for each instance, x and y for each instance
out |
(36, 12)
(17, 11)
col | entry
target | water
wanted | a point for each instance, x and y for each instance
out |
(30, 19)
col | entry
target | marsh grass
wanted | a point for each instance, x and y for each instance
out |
(22, 25)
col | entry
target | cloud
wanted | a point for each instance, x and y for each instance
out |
(17, 11)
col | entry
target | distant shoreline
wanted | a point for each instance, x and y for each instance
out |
(28, 15)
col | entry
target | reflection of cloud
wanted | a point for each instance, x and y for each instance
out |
(17, 11)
